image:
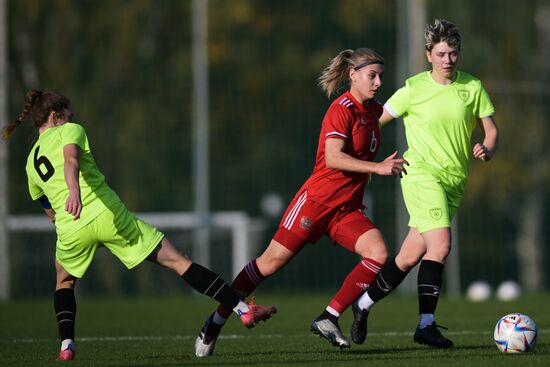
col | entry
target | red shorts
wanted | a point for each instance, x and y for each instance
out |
(307, 221)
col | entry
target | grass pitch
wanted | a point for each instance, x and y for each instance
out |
(161, 332)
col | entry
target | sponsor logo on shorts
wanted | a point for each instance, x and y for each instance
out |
(464, 94)
(306, 223)
(363, 286)
(436, 213)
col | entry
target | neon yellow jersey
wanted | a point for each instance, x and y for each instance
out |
(45, 173)
(439, 121)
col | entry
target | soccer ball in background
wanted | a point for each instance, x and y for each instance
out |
(508, 291)
(515, 333)
(479, 291)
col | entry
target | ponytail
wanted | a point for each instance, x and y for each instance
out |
(31, 98)
(339, 67)
(335, 72)
(8, 129)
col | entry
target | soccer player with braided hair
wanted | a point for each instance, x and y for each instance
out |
(87, 213)
(440, 108)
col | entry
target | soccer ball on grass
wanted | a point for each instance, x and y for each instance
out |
(515, 333)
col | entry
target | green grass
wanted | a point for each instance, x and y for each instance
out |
(161, 332)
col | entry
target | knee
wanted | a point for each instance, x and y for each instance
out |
(376, 251)
(169, 257)
(408, 260)
(439, 253)
(178, 263)
(273, 258)
(269, 265)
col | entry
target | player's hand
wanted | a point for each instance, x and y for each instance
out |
(74, 204)
(481, 152)
(392, 166)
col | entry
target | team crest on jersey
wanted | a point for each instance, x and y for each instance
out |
(306, 223)
(436, 213)
(363, 120)
(464, 94)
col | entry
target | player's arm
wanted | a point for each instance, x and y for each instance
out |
(396, 106)
(50, 213)
(336, 158)
(71, 154)
(488, 148)
(385, 118)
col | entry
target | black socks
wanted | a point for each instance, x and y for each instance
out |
(430, 277)
(386, 281)
(65, 312)
(210, 284)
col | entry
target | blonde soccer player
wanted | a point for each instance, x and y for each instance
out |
(440, 108)
(330, 202)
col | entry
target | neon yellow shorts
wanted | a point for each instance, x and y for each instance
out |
(430, 203)
(130, 239)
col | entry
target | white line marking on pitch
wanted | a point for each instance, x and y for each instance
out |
(235, 336)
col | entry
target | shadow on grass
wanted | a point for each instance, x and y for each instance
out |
(321, 356)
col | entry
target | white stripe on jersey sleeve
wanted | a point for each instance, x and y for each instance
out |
(336, 133)
(390, 110)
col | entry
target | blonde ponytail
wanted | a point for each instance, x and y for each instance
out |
(335, 72)
(339, 67)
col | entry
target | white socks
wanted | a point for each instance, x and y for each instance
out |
(68, 343)
(332, 311)
(242, 307)
(365, 302)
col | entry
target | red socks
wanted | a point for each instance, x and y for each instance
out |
(245, 283)
(355, 284)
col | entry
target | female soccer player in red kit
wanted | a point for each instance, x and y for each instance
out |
(330, 201)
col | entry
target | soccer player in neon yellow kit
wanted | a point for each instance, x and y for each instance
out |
(440, 108)
(87, 213)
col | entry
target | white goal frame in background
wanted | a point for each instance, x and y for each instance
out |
(242, 228)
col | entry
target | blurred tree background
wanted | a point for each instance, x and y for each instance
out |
(126, 66)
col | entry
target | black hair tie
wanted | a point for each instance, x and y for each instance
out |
(37, 96)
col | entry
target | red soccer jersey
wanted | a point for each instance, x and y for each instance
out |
(357, 125)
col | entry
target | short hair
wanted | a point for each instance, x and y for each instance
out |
(442, 31)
